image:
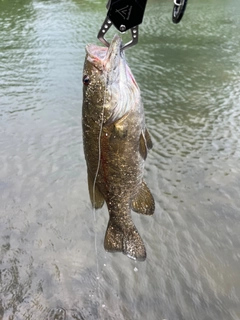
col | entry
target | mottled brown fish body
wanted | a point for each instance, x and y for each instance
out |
(116, 143)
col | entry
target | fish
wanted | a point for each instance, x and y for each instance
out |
(116, 143)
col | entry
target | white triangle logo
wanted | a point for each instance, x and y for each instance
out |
(125, 12)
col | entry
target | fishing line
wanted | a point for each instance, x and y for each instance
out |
(94, 195)
(99, 155)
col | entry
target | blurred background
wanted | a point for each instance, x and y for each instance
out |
(52, 261)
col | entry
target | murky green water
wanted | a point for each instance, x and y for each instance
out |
(52, 261)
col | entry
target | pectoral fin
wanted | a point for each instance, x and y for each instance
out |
(143, 202)
(96, 196)
(120, 129)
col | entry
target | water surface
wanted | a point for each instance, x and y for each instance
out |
(52, 261)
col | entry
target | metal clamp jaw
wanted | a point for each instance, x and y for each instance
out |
(124, 15)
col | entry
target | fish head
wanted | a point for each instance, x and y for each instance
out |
(109, 85)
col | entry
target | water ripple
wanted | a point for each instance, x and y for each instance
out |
(189, 79)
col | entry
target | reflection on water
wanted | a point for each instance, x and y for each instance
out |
(52, 261)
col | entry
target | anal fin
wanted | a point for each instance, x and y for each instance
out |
(96, 196)
(143, 202)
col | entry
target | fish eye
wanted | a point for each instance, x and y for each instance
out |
(86, 80)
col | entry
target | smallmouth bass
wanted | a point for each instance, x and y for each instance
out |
(116, 143)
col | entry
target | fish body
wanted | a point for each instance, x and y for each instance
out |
(116, 143)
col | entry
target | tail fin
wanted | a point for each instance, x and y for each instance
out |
(122, 236)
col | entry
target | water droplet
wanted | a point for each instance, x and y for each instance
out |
(105, 265)
(103, 305)
(135, 269)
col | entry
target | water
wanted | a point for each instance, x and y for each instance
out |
(189, 76)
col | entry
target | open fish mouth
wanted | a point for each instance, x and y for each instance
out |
(107, 58)
(109, 66)
(111, 60)
(114, 54)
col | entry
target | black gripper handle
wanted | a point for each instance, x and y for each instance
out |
(126, 14)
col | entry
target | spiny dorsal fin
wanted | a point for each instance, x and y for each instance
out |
(143, 202)
(96, 196)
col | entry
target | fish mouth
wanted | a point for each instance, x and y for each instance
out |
(106, 58)
(110, 68)
(114, 53)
